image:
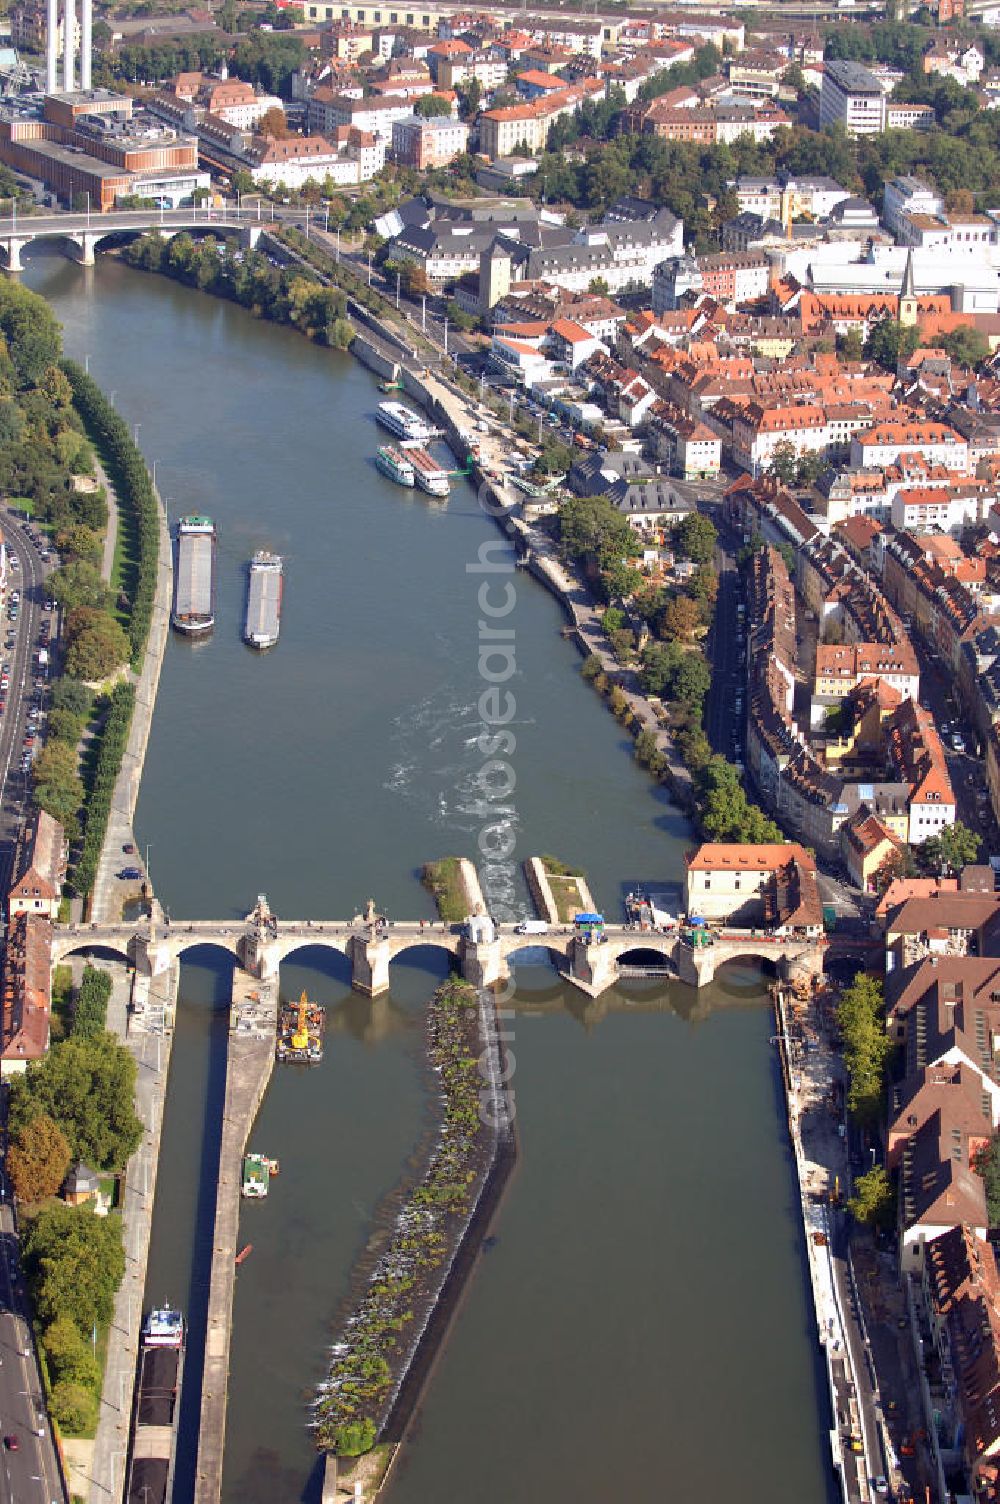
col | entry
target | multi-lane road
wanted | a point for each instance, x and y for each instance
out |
(20, 661)
(29, 1470)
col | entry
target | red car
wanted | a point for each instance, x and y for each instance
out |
(11, 1443)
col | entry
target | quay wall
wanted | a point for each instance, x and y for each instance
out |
(375, 359)
(538, 886)
(468, 877)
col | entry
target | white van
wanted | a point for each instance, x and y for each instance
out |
(531, 927)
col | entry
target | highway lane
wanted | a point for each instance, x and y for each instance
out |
(29, 580)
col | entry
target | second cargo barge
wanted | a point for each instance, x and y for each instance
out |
(194, 577)
(263, 619)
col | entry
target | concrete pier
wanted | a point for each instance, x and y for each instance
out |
(253, 1027)
(101, 1476)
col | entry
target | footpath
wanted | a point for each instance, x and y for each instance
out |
(106, 899)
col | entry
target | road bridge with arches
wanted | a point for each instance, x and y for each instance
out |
(79, 235)
(262, 941)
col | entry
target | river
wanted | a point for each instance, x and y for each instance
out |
(641, 1325)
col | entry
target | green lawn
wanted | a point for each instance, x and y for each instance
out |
(566, 892)
(441, 879)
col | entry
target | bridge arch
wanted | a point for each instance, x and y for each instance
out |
(227, 943)
(78, 945)
(646, 957)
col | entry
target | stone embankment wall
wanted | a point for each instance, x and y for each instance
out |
(538, 886)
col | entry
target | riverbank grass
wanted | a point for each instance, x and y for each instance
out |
(566, 892)
(443, 879)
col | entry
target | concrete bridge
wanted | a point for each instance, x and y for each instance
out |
(80, 234)
(261, 942)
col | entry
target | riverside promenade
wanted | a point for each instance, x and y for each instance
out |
(106, 899)
(253, 1028)
(813, 1076)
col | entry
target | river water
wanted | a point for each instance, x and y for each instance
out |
(645, 1299)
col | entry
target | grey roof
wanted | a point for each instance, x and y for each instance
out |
(852, 77)
(594, 473)
(651, 496)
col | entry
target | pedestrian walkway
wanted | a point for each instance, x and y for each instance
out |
(111, 533)
(106, 899)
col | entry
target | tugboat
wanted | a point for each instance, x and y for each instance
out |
(300, 1032)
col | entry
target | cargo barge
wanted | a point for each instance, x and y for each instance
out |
(431, 477)
(157, 1405)
(194, 577)
(263, 619)
(300, 1032)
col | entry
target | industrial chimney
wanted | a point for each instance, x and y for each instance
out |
(69, 46)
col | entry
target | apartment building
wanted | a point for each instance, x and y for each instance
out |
(851, 97)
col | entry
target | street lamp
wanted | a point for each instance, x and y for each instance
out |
(135, 433)
(423, 313)
(149, 847)
(338, 237)
(446, 336)
(87, 191)
(369, 268)
(398, 280)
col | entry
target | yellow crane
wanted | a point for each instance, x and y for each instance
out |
(300, 1039)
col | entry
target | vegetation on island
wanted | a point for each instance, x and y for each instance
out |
(443, 879)
(291, 295)
(986, 1163)
(380, 1338)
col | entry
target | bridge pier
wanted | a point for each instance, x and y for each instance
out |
(592, 968)
(13, 246)
(153, 956)
(481, 962)
(369, 965)
(250, 234)
(84, 244)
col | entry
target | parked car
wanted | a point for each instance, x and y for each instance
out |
(130, 874)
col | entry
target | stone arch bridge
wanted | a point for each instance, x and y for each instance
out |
(262, 942)
(80, 234)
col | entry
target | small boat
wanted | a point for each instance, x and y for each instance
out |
(395, 465)
(244, 1253)
(256, 1172)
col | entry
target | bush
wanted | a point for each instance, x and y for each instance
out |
(73, 1407)
(113, 740)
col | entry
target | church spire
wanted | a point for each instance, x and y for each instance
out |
(908, 289)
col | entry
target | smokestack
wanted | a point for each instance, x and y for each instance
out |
(87, 29)
(52, 49)
(69, 46)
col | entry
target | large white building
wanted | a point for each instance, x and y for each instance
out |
(851, 97)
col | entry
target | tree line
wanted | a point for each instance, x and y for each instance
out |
(285, 294)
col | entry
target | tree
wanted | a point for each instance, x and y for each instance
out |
(598, 286)
(784, 462)
(851, 346)
(74, 1262)
(681, 618)
(87, 1086)
(955, 847)
(695, 538)
(69, 1354)
(966, 345)
(74, 541)
(96, 644)
(90, 1013)
(860, 1014)
(31, 332)
(38, 1159)
(891, 342)
(987, 1164)
(873, 1201)
(432, 106)
(69, 694)
(273, 123)
(73, 1407)
(472, 98)
(79, 584)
